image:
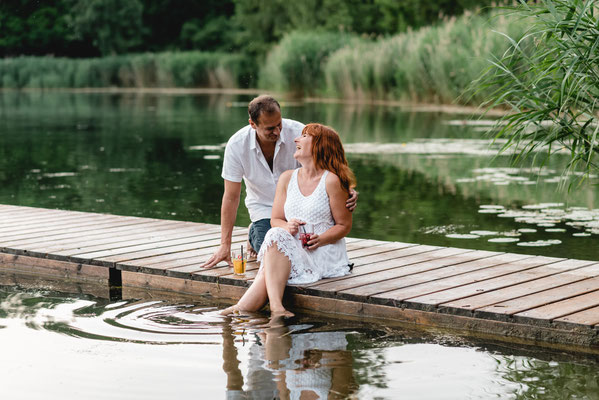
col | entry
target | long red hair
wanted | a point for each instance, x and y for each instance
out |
(328, 153)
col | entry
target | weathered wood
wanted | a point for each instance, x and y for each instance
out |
(510, 295)
(33, 265)
(366, 277)
(181, 285)
(562, 308)
(549, 267)
(80, 229)
(89, 236)
(450, 288)
(539, 299)
(131, 240)
(586, 270)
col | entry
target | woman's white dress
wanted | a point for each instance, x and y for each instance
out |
(308, 266)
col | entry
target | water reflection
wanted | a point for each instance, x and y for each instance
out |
(290, 362)
(151, 349)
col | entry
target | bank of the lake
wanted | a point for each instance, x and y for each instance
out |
(433, 65)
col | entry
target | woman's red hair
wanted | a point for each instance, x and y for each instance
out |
(328, 153)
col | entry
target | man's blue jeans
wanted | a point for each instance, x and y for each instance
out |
(257, 232)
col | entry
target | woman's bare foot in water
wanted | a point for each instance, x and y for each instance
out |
(230, 310)
(281, 313)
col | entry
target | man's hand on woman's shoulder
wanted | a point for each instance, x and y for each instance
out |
(352, 202)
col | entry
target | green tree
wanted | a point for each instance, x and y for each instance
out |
(113, 26)
(549, 80)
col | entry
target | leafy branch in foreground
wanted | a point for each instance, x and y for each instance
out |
(548, 79)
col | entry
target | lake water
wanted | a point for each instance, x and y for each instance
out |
(67, 346)
(423, 177)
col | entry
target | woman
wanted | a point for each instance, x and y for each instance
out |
(314, 194)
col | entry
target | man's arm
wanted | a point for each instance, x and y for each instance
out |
(228, 213)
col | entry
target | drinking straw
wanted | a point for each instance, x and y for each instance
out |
(303, 229)
(242, 252)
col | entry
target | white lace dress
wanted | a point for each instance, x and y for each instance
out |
(308, 266)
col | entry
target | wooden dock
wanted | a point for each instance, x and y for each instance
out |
(500, 295)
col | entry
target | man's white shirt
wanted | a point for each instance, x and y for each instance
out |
(244, 160)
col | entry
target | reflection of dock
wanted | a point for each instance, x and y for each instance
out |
(548, 300)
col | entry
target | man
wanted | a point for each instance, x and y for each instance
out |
(257, 154)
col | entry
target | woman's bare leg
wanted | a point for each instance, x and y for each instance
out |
(253, 299)
(276, 267)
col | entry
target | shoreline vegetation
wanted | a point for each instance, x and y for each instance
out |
(456, 109)
(432, 65)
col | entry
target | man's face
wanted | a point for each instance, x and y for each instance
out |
(268, 128)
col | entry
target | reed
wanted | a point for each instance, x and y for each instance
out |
(434, 64)
(297, 63)
(549, 79)
(169, 69)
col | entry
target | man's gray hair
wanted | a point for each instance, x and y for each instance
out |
(262, 104)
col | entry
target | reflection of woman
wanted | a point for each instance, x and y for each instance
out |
(313, 194)
(308, 365)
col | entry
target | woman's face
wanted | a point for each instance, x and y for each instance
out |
(303, 146)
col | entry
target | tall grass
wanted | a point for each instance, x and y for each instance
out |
(170, 69)
(297, 63)
(549, 78)
(434, 64)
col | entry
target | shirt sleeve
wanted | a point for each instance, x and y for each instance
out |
(232, 166)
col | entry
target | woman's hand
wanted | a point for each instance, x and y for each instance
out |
(293, 226)
(314, 242)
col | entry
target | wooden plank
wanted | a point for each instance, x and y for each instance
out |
(395, 276)
(15, 218)
(573, 340)
(81, 234)
(561, 308)
(126, 249)
(112, 231)
(458, 281)
(588, 317)
(373, 275)
(51, 281)
(439, 268)
(444, 272)
(181, 285)
(53, 220)
(111, 258)
(40, 266)
(79, 227)
(586, 269)
(538, 299)
(548, 266)
(157, 236)
(181, 259)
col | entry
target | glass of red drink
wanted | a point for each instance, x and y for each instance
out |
(306, 231)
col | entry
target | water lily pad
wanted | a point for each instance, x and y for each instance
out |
(540, 243)
(492, 206)
(483, 233)
(461, 236)
(511, 234)
(581, 234)
(555, 230)
(503, 240)
(527, 230)
(490, 211)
